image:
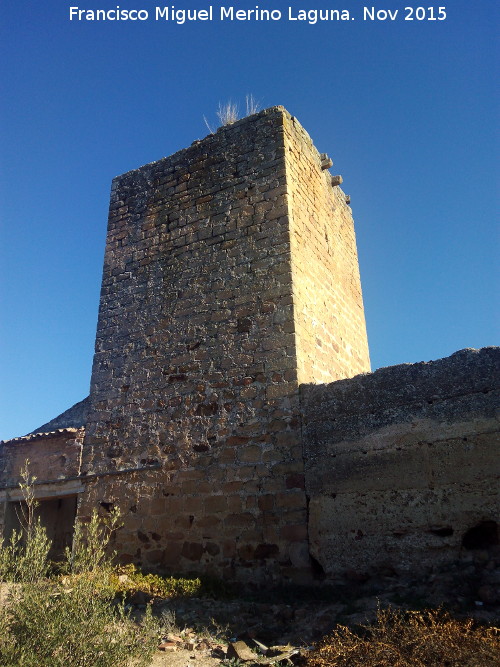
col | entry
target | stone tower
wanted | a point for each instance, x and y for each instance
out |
(230, 279)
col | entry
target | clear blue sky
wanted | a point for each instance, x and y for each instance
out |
(406, 109)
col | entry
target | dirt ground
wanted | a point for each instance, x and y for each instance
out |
(200, 631)
(268, 624)
(184, 658)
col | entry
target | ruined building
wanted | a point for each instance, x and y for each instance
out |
(221, 417)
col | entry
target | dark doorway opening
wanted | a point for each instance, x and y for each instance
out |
(57, 515)
(482, 536)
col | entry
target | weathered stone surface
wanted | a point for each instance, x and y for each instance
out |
(218, 260)
(241, 651)
(219, 420)
(400, 464)
(53, 457)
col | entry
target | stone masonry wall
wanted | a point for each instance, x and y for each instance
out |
(328, 306)
(52, 456)
(200, 340)
(401, 463)
(230, 295)
(194, 368)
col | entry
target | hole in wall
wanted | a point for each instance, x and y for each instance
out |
(109, 507)
(149, 462)
(482, 536)
(317, 569)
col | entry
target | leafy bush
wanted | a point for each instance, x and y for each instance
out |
(411, 639)
(67, 620)
(90, 550)
(25, 556)
(50, 625)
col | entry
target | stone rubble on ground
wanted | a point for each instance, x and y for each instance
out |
(263, 631)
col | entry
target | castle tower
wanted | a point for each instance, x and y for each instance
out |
(230, 279)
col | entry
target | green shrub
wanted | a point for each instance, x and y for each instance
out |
(51, 625)
(90, 549)
(25, 556)
(72, 620)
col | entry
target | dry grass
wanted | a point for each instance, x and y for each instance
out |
(227, 113)
(410, 639)
(252, 105)
(128, 579)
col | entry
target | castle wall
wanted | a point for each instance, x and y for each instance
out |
(328, 307)
(195, 362)
(230, 276)
(230, 302)
(231, 279)
(401, 463)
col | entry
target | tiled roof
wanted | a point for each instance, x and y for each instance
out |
(38, 436)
